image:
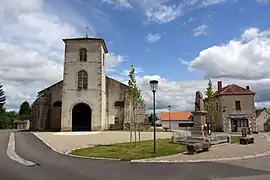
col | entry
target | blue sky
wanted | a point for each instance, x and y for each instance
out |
(181, 43)
(127, 28)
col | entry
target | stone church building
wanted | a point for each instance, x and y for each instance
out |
(86, 99)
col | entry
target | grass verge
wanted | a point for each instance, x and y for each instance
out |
(126, 151)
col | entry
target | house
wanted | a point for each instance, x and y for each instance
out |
(86, 99)
(21, 124)
(177, 120)
(262, 119)
(232, 108)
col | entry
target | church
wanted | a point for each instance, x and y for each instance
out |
(86, 99)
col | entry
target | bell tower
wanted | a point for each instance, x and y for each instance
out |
(84, 85)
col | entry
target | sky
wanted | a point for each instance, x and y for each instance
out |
(180, 43)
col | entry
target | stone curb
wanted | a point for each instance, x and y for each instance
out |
(12, 153)
(68, 153)
(258, 155)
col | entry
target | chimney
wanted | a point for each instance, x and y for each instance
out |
(247, 87)
(219, 83)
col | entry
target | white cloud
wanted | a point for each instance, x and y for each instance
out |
(247, 58)
(113, 60)
(153, 37)
(200, 30)
(31, 49)
(163, 13)
(118, 3)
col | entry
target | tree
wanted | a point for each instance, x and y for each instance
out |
(151, 118)
(209, 92)
(3, 120)
(2, 101)
(136, 98)
(25, 111)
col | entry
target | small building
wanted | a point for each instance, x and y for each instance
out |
(262, 116)
(232, 108)
(177, 120)
(21, 124)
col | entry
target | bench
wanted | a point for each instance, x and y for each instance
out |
(246, 140)
(195, 144)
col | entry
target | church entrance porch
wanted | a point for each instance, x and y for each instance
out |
(81, 117)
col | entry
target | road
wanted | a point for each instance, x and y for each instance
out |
(54, 166)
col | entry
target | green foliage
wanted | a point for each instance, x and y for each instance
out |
(134, 92)
(2, 101)
(209, 92)
(25, 111)
(151, 118)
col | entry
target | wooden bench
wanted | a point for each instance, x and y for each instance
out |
(197, 144)
(246, 140)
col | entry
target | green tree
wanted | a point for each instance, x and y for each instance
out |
(2, 101)
(151, 118)
(3, 120)
(209, 92)
(24, 112)
(137, 100)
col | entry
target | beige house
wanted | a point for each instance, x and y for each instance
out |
(262, 119)
(232, 109)
(86, 99)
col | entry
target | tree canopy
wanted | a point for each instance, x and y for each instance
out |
(25, 111)
(209, 92)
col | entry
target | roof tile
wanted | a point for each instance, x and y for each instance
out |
(176, 116)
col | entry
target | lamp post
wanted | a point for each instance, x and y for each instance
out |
(170, 127)
(153, 84)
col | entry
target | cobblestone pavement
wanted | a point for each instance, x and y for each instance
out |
(65, 143)
(261, 145)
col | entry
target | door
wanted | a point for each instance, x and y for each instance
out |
(234, 125)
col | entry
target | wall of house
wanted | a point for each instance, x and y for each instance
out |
(95, 94)
(247, 107)
(174, 125)
(115, 92)
(55, 111)
(261, 120)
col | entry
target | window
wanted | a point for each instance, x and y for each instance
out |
(119, 104)
(116, 120)
(57, 104)
(237, 105)
(82, 80)
(217, 106)
(83, 54)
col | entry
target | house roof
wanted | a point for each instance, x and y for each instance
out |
(234, 89)
(176, 116)
(259, 111)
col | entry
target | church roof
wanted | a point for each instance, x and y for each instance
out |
(55, 84)
(234, 89)
(86, 38)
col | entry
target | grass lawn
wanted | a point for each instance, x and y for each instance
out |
(125, 151)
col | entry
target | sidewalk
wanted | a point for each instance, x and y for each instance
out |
(65, 142)
(261, 145)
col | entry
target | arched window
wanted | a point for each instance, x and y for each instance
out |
(83, 54)
(82, 80)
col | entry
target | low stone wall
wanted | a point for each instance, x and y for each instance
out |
(140, 126)
(181, 138)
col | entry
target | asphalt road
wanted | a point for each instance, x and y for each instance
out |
(54, 166)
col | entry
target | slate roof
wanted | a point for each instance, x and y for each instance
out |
(234, 89)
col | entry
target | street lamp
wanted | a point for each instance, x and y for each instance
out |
(170, 127)
(153, 84)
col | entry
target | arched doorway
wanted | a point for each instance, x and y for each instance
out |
(81, 117)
